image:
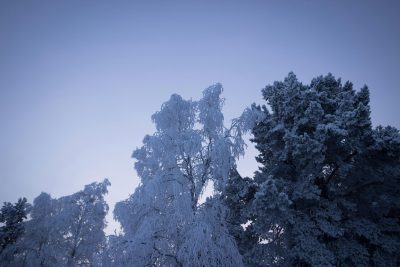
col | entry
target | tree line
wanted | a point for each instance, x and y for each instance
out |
(327, 192)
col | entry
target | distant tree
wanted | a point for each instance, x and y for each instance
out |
(41, 237)
(11, 226)
(162, 222)
(81, 222)
(63, 232)
(327, 193)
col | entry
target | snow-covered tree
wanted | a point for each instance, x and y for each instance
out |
(162, 222)
(237, 197)
(12, 216)
(81, 219)
(327, 193)
(11, 227)
(63, 232)
(207, 241)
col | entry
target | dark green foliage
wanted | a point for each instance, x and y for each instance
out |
(328, 192)
(12, 216)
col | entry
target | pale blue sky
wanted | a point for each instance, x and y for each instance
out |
(79, 80)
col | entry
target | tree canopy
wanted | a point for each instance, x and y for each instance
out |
(163, 220)
(327, 192)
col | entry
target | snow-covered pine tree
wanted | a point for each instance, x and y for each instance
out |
(11, 227)
(163, 223)
(328, 190)
(237, 197)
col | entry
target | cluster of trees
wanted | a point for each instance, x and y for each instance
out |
(59, 232)
(327, 192)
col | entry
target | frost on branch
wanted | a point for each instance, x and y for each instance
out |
(62, 232)
(191, 146)
(327, 191)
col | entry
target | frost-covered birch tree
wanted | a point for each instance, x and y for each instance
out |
(81, 221)
(162, 222)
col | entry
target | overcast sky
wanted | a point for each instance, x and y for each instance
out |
(79, 80)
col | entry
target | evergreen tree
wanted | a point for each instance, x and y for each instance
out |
(11, 218)
(237, 197)
(327, 193)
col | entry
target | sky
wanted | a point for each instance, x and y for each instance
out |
(79, 80)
